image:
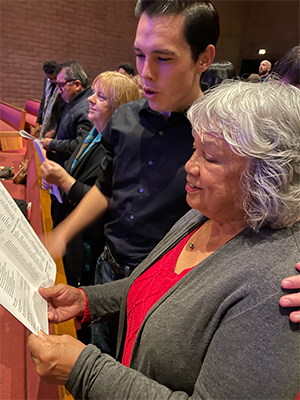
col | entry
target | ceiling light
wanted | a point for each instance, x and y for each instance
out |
(262, 51)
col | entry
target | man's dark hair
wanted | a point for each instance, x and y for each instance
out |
(289, 66)
(128, 68)
(50, 67)
(74, 71)
(201, 26)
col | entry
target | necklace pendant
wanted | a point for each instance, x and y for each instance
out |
(191, 246)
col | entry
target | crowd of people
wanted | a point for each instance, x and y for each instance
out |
(180, 219)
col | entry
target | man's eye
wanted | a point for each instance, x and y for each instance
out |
(164, 59)
(139, 55)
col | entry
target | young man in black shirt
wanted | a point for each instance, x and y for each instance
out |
(147, 143)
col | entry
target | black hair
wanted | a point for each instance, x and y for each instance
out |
(128, 68)
(74, 71)
(201, 26)
(216, 73)
(289, 66)
(50, 67)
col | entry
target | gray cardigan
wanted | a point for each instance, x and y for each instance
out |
(219, 333)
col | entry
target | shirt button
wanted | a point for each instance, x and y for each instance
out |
(141, 190)
(150, 162)
(131, 217)
(160, 133)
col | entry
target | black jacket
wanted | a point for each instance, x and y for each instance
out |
(73, 127)
(85, 172)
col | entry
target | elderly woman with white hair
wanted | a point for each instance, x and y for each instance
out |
(199, 318)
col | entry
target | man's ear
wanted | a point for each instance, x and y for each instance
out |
(78, 85)
(206, 58)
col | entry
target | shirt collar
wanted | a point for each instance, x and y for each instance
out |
(158, 120)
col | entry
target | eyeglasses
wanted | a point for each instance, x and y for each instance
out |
(61, 86)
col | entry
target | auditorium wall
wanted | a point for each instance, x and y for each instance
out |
(99, 35)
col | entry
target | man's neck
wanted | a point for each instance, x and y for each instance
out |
(167, 114)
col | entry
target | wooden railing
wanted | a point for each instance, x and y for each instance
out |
(44, 204)
(19, 379)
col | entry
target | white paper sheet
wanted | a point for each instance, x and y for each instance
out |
(39, 150)
(26, 135)
(25, 264)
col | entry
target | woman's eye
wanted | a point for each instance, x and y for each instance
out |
(210, 160)
(101, 97)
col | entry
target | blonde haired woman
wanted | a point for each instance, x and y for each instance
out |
(110, 90)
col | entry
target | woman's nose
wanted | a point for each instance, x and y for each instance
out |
(91, 99)
(192, 167)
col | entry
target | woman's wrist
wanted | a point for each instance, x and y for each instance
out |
(66, 183)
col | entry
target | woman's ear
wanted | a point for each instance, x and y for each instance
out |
(206, 58)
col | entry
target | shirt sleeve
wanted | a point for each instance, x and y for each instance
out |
(83, 127)
(77, 192)
(86, 316)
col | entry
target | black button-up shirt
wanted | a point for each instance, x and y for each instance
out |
(143, 174)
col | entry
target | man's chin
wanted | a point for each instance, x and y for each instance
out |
(157, 107)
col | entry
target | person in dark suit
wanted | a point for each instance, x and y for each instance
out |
(74, 125)
(51, 102)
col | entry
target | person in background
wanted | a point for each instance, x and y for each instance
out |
(74, 125)
(73, 85)
(216, 73)
(292, 300)
(254, 78)
(288, 68)
(137, 80)
(51, 102)
(264, 70)
(127, 69)
(110, 91)
(200, 317)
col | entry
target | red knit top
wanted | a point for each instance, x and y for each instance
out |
(147, 289)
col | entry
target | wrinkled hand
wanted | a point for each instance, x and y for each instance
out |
(45, 143)
(292, 300)
(64, 302)
(54, 356)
